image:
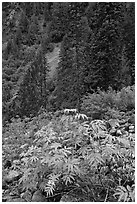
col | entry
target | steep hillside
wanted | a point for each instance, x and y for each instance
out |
(53, 60)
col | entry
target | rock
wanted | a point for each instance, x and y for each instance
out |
(68, 198)
(131, 131)
(6, 198)
(16, 200)
(12, 176)
(4, 185)
(15, 157)
(7, 164)
(131, 127)
(132, 136)
(16, 162)
(27, 196)
(122, 122)
(113, 131)
(125, 133)
(114, 123)
(38, 197)
(74, 198)
(132, 119)
(126, 127)
(118, 132)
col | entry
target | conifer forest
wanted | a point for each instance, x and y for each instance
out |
(68, 101)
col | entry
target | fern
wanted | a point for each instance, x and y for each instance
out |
(65, 154)
(109, 139)
(68, 178)
(124, 194)
(34, 159)
(79, 116)
(51, 185)
(95, 159)
(108, 150)
(71, 165)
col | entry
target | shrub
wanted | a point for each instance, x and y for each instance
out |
(110, 103)
(125, 99)
(64, 157)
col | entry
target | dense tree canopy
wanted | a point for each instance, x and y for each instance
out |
(97, 50)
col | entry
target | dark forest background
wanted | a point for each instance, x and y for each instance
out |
(96, 50)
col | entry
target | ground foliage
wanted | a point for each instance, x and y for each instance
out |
(67, 154)
(109, 104)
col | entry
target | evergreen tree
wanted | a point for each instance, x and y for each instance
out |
(72, 67)
(32, 93)
(106, 45)
(60, 19)
(128, 27)
(33, 31)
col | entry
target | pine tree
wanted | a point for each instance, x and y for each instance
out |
(72, 67)
(33, 93)
(33, 31)
(106, 45)
(128, 27)
(60, 20)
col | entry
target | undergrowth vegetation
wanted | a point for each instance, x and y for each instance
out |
(68, 153)
(64, 156)
(109, 104)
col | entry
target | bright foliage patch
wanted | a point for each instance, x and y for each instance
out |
(66, 155)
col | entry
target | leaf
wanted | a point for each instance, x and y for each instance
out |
(46, 159)
(108, 139)
(54, 177)
(34, 159)
(42, 184)
(65, 151)
(108, 150)
(25, 160)
(58, 164)
(98, 127)
(83, 150)
(83, 116)
(55, 145)
(68, 178)
(49, 189)
(25, 176)
(50, 186)
(122, 192)
(95, 159)
(85, 124)
(70, 110)
(121, 189)
(128, 188)
(25, 145)
(122, 197)
(71, 164)
(132, 195)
